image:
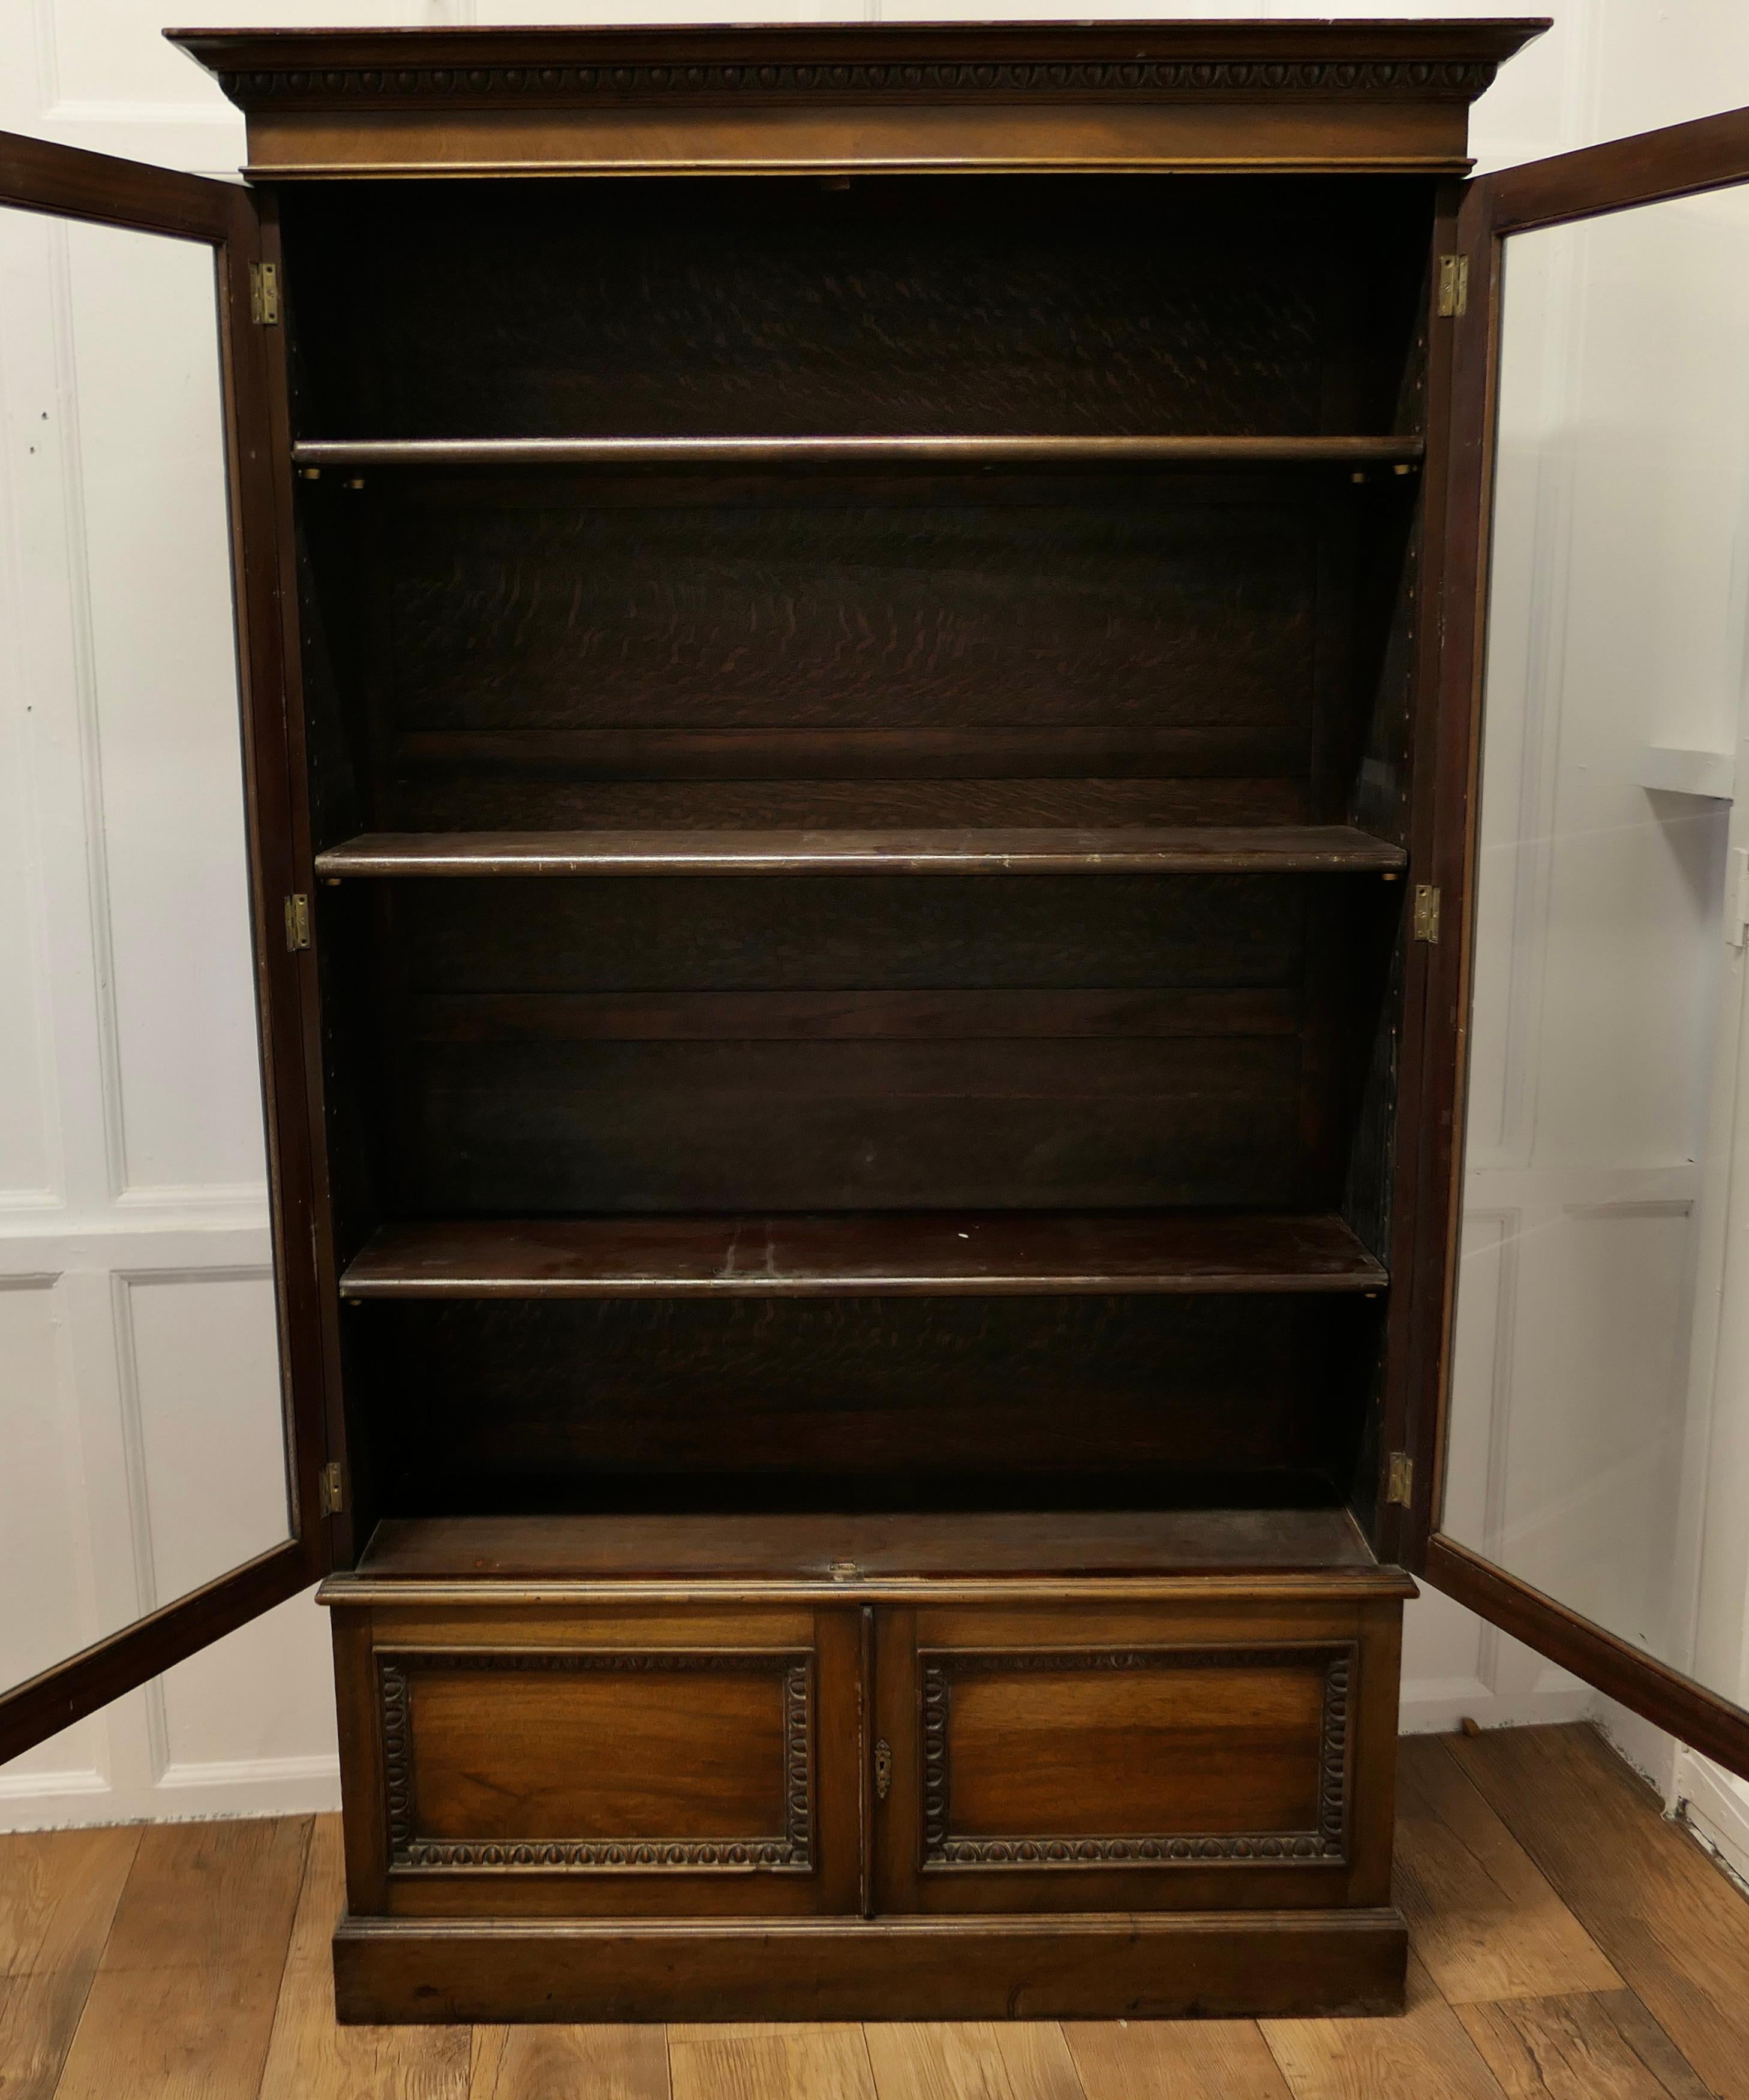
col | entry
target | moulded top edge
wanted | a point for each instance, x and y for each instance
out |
(409, 1592)
(1210, 37)
(1451, 59)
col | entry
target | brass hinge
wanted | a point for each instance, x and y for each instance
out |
(1402, 1479)
(264, 294)
(297, 921)
(1426, 911)
(1454, 285)
(883, 1768)
(332, 1493)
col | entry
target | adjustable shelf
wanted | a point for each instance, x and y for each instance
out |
(1402, 451)
(1211, 849)
(934, 1254)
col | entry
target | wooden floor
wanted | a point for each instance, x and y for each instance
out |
(1566, 1941)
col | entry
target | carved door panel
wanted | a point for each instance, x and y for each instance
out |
(643, 1761)
(1181, 1755)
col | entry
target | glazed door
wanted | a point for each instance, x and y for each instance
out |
(1582, 1473)
(160, 1390)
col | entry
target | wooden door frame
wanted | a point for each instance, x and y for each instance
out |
(1680, 160)
(65, 182)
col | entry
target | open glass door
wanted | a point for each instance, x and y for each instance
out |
(1583, 1474)
(160, 1381)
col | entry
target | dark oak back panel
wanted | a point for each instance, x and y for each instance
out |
(850, 1042)
(778, 656)
(1084, 305)
(560, 1403)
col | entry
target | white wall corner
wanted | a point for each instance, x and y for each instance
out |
(1714, 1807)
(1438, 1706)
(1652, 1752)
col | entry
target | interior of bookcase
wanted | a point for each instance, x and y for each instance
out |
(856, 976)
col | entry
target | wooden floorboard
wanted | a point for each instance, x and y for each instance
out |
(770, 2064)
(546, 2062)
(308, 2054)
(1568, 1944)
(1427, 2054)
(59, 1891)
(970, 2060)
(1483, 1916)
(183, 2001)
(1585, 2045)
(1666, 1917)
(1174, 2060)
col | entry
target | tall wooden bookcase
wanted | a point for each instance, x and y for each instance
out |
(850, 870)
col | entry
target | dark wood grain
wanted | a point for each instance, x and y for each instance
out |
(896, 1123)
(310, 54)
(41, 1706)
(788, 453)
(1314, 1963)
(1680, 160)
(754, 1016)
(1047, 1544)
(826, 933)
(620, 1761)
(458, 802)
(1212, 849)
(846, 754)
(1373, 97)
(1041, 1751)
(972, 1254)
(722, 602)
(1224, 1746)
(37, 175)
(1696, 1715)
(789, 1403)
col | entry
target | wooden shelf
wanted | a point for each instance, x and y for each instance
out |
(845, 451)
(1211, 849)
(931, 1254)
(971, 1544)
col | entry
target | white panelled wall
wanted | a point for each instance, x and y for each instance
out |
(133, 1247)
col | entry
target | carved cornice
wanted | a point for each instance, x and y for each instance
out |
(1325, 1846)
(931, 81)
(791, 1852)
(822, 63)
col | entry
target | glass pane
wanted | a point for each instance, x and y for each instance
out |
(140, 1410)
(1586, 1454)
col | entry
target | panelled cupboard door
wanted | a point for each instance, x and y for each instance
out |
(159, 320)
(1581, 1434)
(580, 1761)
(1157, 1757)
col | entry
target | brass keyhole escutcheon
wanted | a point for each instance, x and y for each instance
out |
(883, 1768)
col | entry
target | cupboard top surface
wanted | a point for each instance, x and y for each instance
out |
(821, 98)
(846, 1549)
